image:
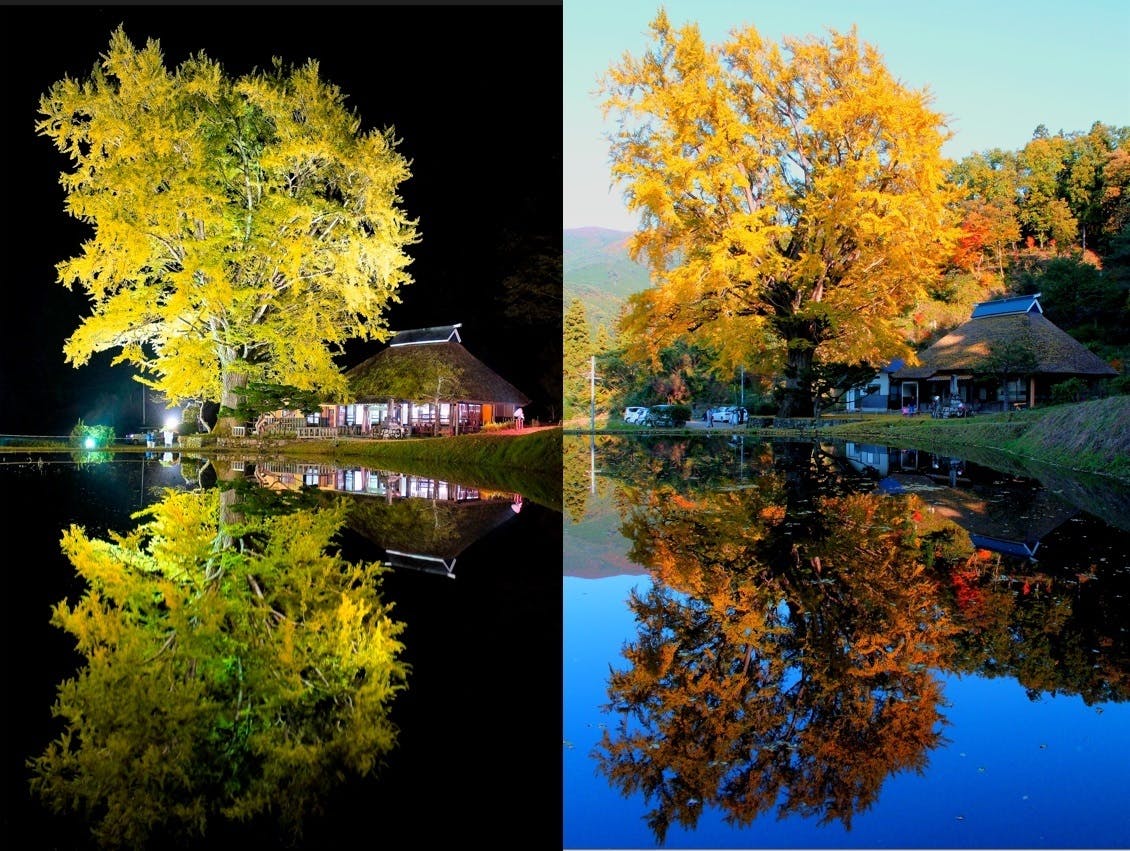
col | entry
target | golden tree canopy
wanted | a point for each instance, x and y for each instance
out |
(241, 227)
(792, 198)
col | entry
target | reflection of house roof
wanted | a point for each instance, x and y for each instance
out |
(425, 529)
(1012, 524)
(1018, 321)
(1020, 549)
(406, 371)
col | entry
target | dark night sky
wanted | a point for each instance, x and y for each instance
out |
(473, 92)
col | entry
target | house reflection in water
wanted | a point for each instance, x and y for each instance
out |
(420, 523)
(1000, 513)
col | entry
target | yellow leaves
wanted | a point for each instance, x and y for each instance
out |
(282, 228)
(773, 514)
(768, 179)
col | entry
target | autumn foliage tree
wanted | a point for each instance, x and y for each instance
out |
(791, 198)
(242, 229)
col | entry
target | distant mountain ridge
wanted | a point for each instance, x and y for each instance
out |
(598, 271)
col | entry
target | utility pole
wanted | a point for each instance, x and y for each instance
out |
(592, 463)
(592, 393)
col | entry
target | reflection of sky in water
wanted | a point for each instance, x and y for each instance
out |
(1016, 773)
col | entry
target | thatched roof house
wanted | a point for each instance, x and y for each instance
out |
(968, 362)
(425, 381)
(418, 361)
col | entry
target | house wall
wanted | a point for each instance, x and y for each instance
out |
(864, 456)
(859, 399)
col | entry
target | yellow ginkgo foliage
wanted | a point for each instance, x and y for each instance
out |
(792, 198)
(242, 229)
(235, 668)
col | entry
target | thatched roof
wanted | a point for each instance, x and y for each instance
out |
(966, 348)
(413, 372)
(1024, 518)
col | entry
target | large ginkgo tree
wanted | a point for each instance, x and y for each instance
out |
(241, 228)
(792, 198)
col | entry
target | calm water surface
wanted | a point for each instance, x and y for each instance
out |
(230, 660)
(793, 645)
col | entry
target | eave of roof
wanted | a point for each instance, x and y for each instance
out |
(1006, 306)
(432, 334)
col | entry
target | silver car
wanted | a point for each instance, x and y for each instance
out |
(726, 415)
(634, 414)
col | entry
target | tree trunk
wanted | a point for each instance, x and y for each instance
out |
(229, 401)
(796, 401)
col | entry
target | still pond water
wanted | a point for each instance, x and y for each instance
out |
(801, 645)
(245, 677)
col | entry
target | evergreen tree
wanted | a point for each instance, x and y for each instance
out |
(577, 360)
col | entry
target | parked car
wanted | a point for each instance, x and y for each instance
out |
(148, 435)
(954, 408)
(634, 414)
(660, 415)
(727, 415)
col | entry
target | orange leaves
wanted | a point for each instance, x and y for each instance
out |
(774, 179)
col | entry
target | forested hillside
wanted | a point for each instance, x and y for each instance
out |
(598, 271)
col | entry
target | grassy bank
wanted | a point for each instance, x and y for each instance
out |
(529, 463)
(1092, 437)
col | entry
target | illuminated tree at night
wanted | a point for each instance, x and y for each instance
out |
(243, 229)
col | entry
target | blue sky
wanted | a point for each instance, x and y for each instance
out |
(996, 68)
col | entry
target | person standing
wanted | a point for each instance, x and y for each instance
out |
(519, 418)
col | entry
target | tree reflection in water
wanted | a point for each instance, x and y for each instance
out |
(233, 665)
(787, 650)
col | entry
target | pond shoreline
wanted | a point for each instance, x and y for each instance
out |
(528, 461)
(1087, 437)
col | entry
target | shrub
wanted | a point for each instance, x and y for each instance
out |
(1071, 390)
(1119, 385)
(91, 436)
